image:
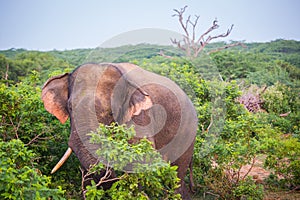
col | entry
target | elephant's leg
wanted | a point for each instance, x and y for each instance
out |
(183, 163)
(192, 184)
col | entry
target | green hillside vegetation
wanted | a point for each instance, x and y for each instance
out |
(248, 107)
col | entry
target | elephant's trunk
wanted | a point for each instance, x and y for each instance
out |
(62, 160)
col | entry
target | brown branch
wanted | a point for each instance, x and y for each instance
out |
(105, 177)
(188, 45)
(36, 137)
(6, 72)
(194, 24)
(184, 26)
(228, 46)
(161, 53)
(210, 29)
(110, 180)
(285, 114)
(263, 91)
(249, 170)
(178, 44)
(210, 38)
(211, 123)
(180, 18)
(208, 192)
(16, 128)
(82, 181)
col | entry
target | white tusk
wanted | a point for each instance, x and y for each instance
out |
(62, 160)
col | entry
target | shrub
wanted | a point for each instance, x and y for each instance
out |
(282, 104)
(149, 176)
(284, 161)
(24, 117)
(18, 176)
(247, 189)
(221, 152)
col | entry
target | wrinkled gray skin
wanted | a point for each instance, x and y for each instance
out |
(127, 94)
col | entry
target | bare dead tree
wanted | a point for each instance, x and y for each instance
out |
(190, 43)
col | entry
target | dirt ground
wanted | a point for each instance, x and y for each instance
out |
(259, 174)
(282, 195)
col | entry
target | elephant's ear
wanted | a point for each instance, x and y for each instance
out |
(55, 96)
(139, 101)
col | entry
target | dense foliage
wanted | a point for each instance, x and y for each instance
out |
(142, 173)
(232, 139)
(23, 117)
(20, 179)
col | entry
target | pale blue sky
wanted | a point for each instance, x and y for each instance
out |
(69, 24)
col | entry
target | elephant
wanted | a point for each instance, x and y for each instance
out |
(126, 94)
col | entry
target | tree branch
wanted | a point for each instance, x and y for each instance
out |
(36, 137)
(210, 29)
(180, 18)
(194, 24)
(6, 72)
(228, 46)
(210, 38)
(16, 128)
(249, 170)
(161, 53)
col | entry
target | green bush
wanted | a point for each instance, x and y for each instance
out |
(281, 99)
(149, 176)
(24, 117)
(19, 177)
(284, 161)
(247, 189)
(25, 62)
(228, 144)
(220, 155)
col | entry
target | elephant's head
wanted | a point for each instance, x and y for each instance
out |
(127, 94)
(86, 96)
